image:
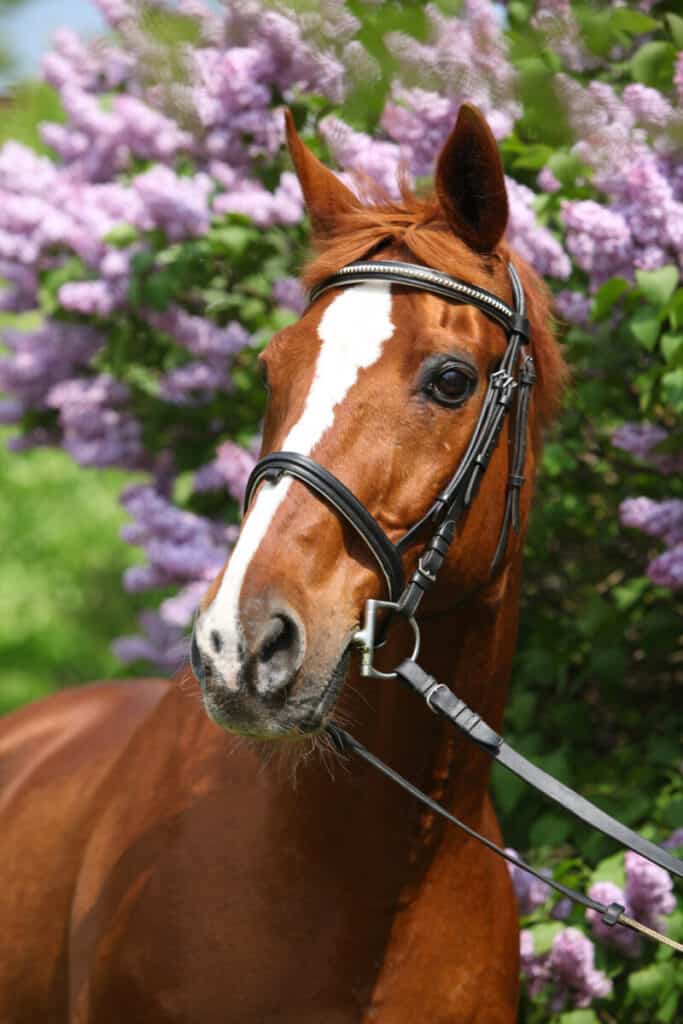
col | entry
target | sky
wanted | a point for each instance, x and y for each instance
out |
(28, 29)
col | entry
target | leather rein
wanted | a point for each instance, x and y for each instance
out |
(515, 374)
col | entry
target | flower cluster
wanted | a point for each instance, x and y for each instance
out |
(567, 971)
(647, 897)
(628, 142)
(531, 893)
(158, 146)
(661, 519)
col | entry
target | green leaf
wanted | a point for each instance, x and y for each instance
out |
(657, 286)
(648, 984)
(578, 1017)
(675, 23)
(508, 790)
(671, 346)
(566, 167)
(667, 1010)
(543, 935)
(644, 326)
(121, 236)
(672, 388)
(629, 593)
(532, 157)
(674, 309)
(606, 296)
(550, 829)
(653, 64)
(610, 870)
(633, 22)
(183, 488)
(233, 239)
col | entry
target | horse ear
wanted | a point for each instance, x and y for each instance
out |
(470, 183)
(324, 194)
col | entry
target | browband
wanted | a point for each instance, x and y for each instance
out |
(412, 275)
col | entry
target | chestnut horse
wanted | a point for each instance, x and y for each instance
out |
(156, 870)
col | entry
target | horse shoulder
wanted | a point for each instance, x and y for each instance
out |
(54, 758)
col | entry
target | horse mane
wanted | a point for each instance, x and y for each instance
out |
(417, 228)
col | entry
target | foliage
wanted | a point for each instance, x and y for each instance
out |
(160, 255)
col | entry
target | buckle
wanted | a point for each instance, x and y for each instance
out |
(365, 638)
(428, 575)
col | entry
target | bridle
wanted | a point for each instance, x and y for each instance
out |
(515, 373)
(452, 502)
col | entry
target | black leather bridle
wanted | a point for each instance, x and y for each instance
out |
(450, 505)
(514, 374)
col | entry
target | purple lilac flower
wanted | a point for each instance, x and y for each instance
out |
(359, 153)
(180, 609)
(93, 298)
(678, 77)
(657, 518)
(573, 306)
(675, 840)
(23, 172)
(284, 206)
(40, 359)
(667, 569)
(181, 547)
(464, 59)
(534, 242)
(572, 966)
(22, 293)
(230, 469)
(648, 106)
(420, 121)
(531, 893)
(641, 440)
(534, 967)
(200, 336)
(117, 12)
(148, 133)
(178, 205)
(616, 936)
(649, 890)
(161, 643)
(599, 239)
(289, 293)
(562, 909)
(96, 428)
(11, 410)
(547, 181)
(555, 20)
(193, 383)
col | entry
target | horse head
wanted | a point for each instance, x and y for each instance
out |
(383, 386)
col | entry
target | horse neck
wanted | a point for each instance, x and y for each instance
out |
(468, 645)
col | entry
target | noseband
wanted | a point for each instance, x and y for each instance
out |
(452, 502)
(515, 372)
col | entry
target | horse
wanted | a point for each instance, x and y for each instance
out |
(214, 859)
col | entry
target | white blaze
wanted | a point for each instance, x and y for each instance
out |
(352, 331)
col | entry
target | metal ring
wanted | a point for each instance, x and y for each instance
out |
(365, 638)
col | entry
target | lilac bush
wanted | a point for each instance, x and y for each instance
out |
(121, 239)
(160, 239)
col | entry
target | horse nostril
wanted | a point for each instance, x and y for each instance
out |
(279, 636)
(279, 655)
(196, 660)
(216, 641)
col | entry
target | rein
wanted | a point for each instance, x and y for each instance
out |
(515, 373)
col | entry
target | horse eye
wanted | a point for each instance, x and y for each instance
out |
(451, 385)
